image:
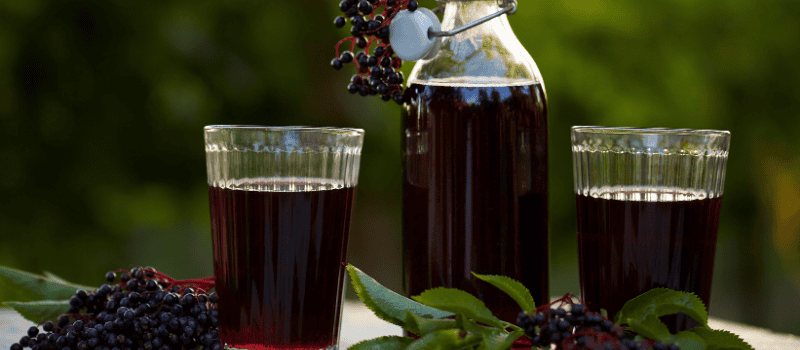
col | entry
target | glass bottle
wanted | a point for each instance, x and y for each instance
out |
(475, 185)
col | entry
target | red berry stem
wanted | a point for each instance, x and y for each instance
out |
(342, 41)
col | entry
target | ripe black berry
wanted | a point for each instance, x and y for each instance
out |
(346, 57)
(362, 60)
(373, 25)
(382, 89)
(376, 71)
(111, 276)
(339, 22)
(336, 64)
(383, 33)
(365, 7)
(578, 310)
(343, 6)
(412, 6)
(33, 331)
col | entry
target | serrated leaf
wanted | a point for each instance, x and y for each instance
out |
(383, 343)
(662, 302)
(720, 340)
(39, 311)
(513, 288)
(651, 327)
(16, 285)
(459, 302)
(385, 303)
(449, 339)
(422, 326)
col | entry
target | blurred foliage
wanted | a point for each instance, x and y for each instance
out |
(102, 105)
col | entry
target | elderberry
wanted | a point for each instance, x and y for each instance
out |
(577, 328)
(339, 22)
(133, 314)
(346, 57)
(336, 64)
(365, 7)
(370, 20)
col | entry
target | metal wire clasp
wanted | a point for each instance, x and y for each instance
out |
(508, 6)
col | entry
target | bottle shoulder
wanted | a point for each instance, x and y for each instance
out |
(488, 54)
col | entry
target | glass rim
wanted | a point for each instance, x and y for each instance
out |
(613, 130)
(323, 129)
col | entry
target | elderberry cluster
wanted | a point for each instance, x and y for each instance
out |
(378, 71)
(141, 312)
(580, 329)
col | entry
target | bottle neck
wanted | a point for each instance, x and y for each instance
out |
(460, 12)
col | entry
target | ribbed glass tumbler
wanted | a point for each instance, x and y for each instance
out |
(281, 199)
(648, 204)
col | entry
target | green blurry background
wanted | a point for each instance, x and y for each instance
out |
(102, 105)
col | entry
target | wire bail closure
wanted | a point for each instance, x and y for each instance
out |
(508, 7)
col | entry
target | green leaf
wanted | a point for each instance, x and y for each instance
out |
(661, 302)
(422, 326)
(504, 341)
(383, 343)
(493, 338)
(18, 285)
(719, 339)
(513, 288)
(459, 302)
(52, 277)
(687, 341)
(39, 311)
(385, 303)
(651, 327)
(449, 339)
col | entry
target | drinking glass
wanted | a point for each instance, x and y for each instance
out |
(648, 203)
(281, 200)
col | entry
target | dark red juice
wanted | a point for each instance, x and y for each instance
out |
(279, 261)
(475, 190)
(628, 247)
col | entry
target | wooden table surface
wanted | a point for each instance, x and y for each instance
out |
(360, 324)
